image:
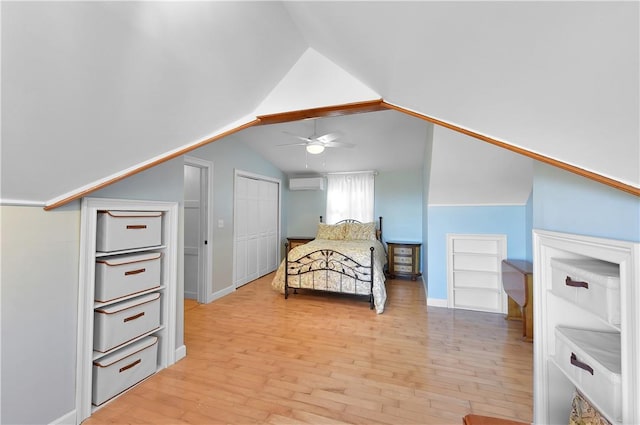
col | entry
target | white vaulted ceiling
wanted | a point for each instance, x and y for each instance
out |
(90, 89)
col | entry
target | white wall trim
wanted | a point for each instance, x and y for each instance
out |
(221, 293)
(437, 302)
(66, 419)
(181, 353)
(480, 205)
(21, 203)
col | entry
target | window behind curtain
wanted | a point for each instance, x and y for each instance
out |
(350, 196)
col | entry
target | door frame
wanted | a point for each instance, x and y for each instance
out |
(205, 285)
(241, 173)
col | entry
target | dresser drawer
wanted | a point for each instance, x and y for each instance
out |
(121, 230)
(118, 371)
(121, 322)
(123, 275)
(594, 285)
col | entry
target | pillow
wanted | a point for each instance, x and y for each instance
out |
(331, 231)
(361, 231)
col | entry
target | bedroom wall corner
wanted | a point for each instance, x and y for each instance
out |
(39, 291)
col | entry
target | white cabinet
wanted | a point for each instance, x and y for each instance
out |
(586, 326)
(474, 272)
(127, 296)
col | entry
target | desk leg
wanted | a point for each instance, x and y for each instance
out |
(514, 312)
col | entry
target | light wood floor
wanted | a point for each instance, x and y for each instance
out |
(253, 357)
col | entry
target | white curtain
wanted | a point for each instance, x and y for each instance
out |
(350, 196)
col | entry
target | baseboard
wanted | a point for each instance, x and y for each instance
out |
(67, 419)
(181, 352)
(219, 294)
(436, 302)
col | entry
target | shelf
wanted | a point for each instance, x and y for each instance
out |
(577, 385)
(475, 288)
(97, 304)
(129, 251)
(478, 254)
(476, 271)
(97, 354)
(590, 314)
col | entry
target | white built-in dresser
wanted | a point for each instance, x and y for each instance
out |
(126, 298)
(587, 326)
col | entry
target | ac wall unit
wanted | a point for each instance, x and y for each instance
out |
(307, 183)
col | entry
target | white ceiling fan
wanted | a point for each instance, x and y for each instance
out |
(316, 144)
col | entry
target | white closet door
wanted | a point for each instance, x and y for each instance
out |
(268, 201)
(256, 228)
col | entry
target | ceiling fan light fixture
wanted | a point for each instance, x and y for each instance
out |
(315, 149)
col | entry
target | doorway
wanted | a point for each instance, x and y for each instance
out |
(198, 268)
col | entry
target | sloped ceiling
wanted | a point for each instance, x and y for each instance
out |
(92, 88)
(557, 78)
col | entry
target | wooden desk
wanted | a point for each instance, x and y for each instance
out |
(517, 281)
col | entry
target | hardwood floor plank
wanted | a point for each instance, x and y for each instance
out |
(254, 357)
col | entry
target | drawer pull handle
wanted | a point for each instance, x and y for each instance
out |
(575, 284)
(136, 226)
(129, 273)
(129, 366)
(578, 363)
(134, 317)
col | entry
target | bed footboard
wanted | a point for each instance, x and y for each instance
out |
(326, 265)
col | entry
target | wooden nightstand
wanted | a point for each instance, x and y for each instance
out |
(404, 259)
(294, 241)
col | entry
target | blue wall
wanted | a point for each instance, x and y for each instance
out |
(565, 202)
(508, 220)
(397, 198)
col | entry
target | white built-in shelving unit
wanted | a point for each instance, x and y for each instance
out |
(474, 272)
(554, 388)
(165, 333)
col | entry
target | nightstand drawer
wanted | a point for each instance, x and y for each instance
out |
(402, 251)
(403, 268)
(398, 259)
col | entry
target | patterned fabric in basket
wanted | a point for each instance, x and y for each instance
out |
(583, 413)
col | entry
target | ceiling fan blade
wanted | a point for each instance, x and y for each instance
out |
(306, 139)
(294, 144)
(338, 145)
(329, 137)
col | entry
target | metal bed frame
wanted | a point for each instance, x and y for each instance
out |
(331, 261)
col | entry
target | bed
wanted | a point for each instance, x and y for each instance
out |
(347, 257)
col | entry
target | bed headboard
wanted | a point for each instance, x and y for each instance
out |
(351, 220)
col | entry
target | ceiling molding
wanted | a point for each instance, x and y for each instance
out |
(80, 193)
(533, 155)
(325, 111)
(332, 111)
